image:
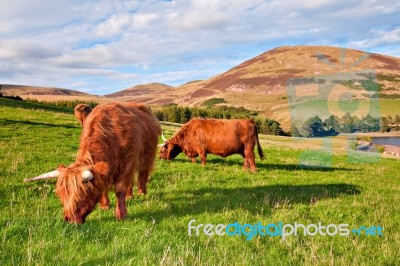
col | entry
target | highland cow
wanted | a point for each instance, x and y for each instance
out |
(216, 136)
(117, 142)
(82, 111)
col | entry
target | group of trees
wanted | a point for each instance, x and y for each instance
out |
(269, 127)
(390, 123)
(64, 103)
(177, 114)
(333, 125)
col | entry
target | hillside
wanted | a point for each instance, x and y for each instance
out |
(260, 83)
(47, 93)
(263, 82)
(22, 90)
(143, 93)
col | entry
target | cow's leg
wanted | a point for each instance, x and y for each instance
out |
(143, 179)
(250, 158)
(246, 161)
(121, 189)
(129, 193)
(193, 159)
(203, 157)
(104, 202)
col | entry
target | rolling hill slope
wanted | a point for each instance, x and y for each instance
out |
(142, 93)
(263, 82)
(48, 94)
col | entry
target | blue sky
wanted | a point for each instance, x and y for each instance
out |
(106, 46)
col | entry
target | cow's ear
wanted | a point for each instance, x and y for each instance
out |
(101, 168)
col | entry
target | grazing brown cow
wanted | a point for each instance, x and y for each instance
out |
(117, 142)
(216, 136)
(82, 111)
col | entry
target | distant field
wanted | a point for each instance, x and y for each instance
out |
(357, 193)
(322, 108)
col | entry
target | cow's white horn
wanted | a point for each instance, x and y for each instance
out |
(87, 176)
(48, 175)
(162, 136)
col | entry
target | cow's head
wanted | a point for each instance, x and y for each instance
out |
(169, 150)
(82, 111)
(79, 188)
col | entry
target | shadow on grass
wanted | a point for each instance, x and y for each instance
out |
(34, 106)
(256, 200)
(259, 200)
(268, 166)
(25, 122)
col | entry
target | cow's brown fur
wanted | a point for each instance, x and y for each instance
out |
(82, 111)
(118, 141)
(216, 136)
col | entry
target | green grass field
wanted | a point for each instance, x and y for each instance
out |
(32, 230)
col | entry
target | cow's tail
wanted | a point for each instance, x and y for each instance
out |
(260, 151)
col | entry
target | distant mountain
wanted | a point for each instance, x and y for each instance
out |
(21, 90)
(268, 73)
(145, 93)
(260, 83)
(48, 94)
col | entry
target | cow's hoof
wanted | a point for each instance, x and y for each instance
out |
(104, 207)
(120, 215)
(142, 192)
(129, 196)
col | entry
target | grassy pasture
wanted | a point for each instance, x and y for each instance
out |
(32, 231)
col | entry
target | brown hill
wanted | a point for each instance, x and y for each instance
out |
(48, 94)
(147, 93)
(260, 83)
(269, 72)
(21, 90)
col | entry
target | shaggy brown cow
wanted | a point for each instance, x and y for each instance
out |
(216, 136)
(82, 111)
(117, 142)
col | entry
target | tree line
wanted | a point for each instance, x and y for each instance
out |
(64, 103)
(333, 125)
(312, 127)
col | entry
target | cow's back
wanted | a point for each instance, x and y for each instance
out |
(222, 136)
(119, 134)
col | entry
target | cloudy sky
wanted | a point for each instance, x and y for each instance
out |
(102, 46)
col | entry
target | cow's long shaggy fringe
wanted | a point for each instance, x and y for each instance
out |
(117, 141)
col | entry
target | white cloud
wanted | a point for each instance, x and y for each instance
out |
(201, 19)
(122, 43)
(378, 38)
(115, 25)
(10, 49)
